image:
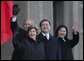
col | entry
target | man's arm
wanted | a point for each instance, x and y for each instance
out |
(17, 32)
(14, 26)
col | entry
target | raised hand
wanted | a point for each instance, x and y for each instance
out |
(75, 29)
(16, 9)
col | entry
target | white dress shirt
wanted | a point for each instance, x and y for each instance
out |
(64, 40)
(47, 35)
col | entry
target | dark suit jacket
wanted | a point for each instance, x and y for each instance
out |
(67, 45)
(52, 47)
(18, 35)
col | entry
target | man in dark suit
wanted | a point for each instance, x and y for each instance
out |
(52, 47)
(18, 33)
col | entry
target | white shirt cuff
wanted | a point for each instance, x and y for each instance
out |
(14, 18)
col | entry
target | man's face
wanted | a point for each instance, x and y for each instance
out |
(45, 27)
(26, 24)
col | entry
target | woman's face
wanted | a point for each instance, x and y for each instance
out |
(32, 34)
(62, 32)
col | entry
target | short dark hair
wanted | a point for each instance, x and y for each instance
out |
(32, 27)
(43, 21)
(58, 28)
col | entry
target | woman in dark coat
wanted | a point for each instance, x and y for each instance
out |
(30, 48)
(65, 43)
(34, 49)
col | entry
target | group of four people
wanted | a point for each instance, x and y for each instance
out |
(31, 45)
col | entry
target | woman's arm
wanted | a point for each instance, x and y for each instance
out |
(74, 41)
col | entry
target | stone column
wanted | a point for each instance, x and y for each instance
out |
(78, 50)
